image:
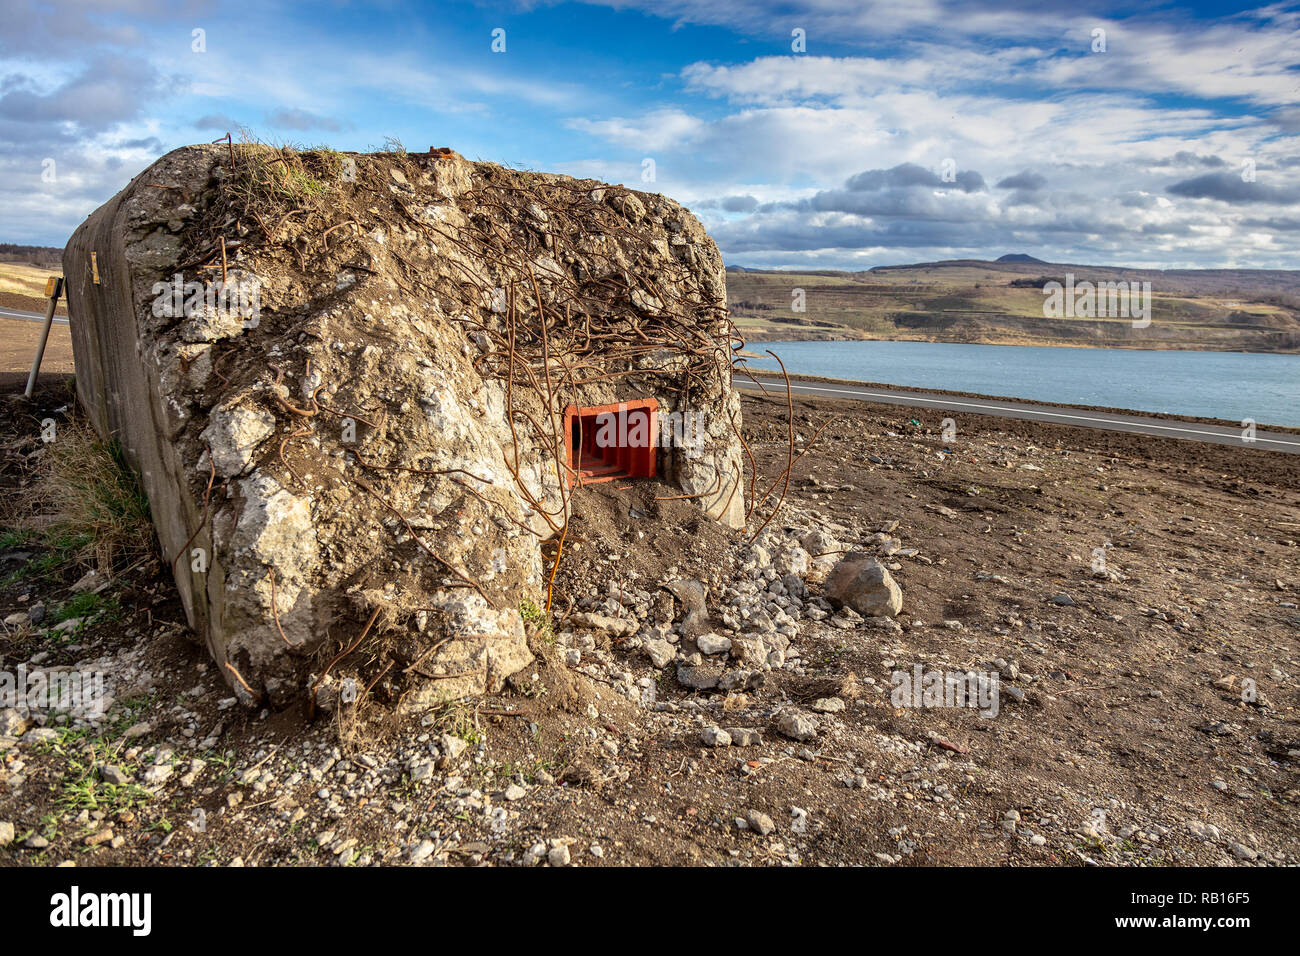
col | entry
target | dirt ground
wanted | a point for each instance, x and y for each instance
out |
(1125, 733)
(18, 341)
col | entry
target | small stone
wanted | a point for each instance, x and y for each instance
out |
(1242, 852)
(744, 737)
(1203, 831)
(6, 833)
(533, 854)
(452, 748)
(863, 583)
(1062, 599)
(558, 856)
(796, 726)
(715, 737)
(103, 836)
(828, 705)
(660, 652)
(421, 851)
(712, 644)
(12, 723)
(137, 730)
(515, 792)
(159, 774)
(760, 821)
(88, 581)
(702, 677)
(114, 775)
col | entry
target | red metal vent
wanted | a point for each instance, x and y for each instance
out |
(604, 442)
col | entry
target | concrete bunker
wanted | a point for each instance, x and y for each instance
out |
(353, 474)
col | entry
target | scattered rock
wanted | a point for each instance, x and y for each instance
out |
(712, 644)
(12, 723)
(558, 855)
(863, 583)
(660, 652)
(715, 737)
(701, 677)
(421, 851)
(114, 775)
(157, 774)
(796, 726)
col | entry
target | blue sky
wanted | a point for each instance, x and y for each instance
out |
(907, 130)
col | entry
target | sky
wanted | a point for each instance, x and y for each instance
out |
(803, 133)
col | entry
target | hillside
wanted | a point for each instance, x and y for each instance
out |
(1001, 303)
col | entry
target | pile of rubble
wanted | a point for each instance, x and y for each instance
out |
(727, 638)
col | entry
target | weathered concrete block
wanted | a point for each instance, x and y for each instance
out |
(343, 400)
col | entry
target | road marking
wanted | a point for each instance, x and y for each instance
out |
(33, 316)
(946, 403)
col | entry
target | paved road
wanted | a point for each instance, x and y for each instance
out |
(31, 316)
(1188, 431)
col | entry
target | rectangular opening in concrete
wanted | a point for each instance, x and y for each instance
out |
(605, 442)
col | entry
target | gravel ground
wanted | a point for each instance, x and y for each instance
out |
(699, 698)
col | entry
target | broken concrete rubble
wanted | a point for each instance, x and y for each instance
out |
(864, 584)
(372, 454)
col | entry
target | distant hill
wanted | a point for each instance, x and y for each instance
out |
(1001, 303)
(42, 256)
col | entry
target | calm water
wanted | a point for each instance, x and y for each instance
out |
(1228, 385)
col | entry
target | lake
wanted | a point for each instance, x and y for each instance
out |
(1228, 385)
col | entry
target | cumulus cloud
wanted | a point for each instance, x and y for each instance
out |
(1026, 180)
(301, 120)
(909, 174)
(217, 121)
(108, 91)
(1232, 188)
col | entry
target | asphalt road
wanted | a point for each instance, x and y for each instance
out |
(31, 316)
(1187, 431)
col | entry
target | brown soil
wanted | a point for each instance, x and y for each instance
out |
(18, 341)
(27, 303)
(1121, 712)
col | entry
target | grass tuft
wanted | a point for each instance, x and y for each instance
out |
(86, 507)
